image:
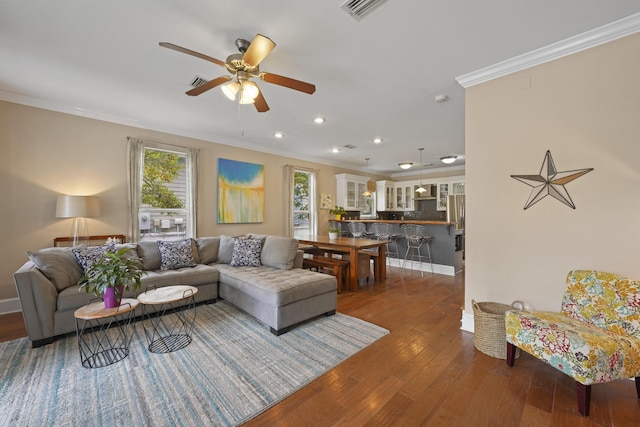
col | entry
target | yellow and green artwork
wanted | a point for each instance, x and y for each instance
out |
(240, 192)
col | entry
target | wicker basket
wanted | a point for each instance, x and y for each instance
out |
(490, 336)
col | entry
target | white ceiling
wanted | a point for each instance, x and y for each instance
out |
(375, 78)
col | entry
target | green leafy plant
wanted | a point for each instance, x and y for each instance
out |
(114, 269)
(334, 230)
(338, 210)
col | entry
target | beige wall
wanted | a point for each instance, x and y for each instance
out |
(585, 109)
(45, 153)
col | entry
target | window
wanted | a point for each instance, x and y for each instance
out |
(303, 206)
(162, 191)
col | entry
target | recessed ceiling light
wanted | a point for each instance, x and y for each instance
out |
(335, 150)
(377, 140)
(278, 135)
(319, 120)
(448, 159)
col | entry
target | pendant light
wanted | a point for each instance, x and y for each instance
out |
(367, 193)
(421, 189)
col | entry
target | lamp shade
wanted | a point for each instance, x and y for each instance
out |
(230, 89)
(77, 206)
(248, 92)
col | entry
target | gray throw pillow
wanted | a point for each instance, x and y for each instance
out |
(59, 265)
(174, 255)
(246, 253)
(131, 254)
(208, 249)
(149, 254)
(279, 252)
(226, 249)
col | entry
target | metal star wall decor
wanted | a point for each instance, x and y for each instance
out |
(550, 182)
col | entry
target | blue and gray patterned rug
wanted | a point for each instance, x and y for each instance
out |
(232, 371)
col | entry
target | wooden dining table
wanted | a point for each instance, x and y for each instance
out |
(352, 246)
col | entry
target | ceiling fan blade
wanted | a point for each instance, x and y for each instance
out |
(208, 85)
(192, 53)
(260, 103)
(288, 82)
(259, 48)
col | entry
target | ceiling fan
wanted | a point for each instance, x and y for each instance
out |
(243, 67)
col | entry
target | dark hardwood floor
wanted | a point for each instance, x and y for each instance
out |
(427, 371)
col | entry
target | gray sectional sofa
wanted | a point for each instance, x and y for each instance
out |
(260, 274)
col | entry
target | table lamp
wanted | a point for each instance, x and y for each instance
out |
(79, 208)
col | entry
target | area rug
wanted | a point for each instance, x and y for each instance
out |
(233, 370)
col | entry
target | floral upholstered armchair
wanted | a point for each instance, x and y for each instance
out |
(594, 339)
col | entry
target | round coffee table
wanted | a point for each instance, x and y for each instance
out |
(104, 333)
(168, 325)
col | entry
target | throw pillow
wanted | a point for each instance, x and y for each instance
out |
(149, 254)
(208, 249)
(246, 253)
(174, 255)
(279, 252)
(87, 256)
(59, 265)
(131, 254)
(225, 252)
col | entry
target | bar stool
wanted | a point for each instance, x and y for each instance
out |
(382, 231)
(415, 238)
(358, 230)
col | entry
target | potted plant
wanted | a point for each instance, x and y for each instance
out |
(338, 211)
(333, 233)
(111, 275)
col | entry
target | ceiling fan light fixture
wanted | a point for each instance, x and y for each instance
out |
(448, 159)
(249, 92)
(405, 165)
(230, 89)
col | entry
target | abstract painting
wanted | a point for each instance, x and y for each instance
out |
(240, 192)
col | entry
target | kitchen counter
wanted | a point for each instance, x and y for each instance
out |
(396, 221)
(446, 244)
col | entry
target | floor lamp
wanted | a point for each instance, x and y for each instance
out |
(79, 208)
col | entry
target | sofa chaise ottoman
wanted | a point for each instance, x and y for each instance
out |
(268, 283)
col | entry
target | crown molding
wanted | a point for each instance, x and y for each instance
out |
(604, 34)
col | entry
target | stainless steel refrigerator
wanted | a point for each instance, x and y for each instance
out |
(455, 210)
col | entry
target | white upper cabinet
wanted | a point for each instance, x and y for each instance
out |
(349, 189)
(385, 195)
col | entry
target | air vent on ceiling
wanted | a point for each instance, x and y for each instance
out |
(358, 9)
(350, 146)
(198, 81)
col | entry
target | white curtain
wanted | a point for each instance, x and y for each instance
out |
(192, 193)
(135, 164)
(287, 191)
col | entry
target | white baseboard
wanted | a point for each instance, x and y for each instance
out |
(467, 322)
(10, 305)
(447, 270)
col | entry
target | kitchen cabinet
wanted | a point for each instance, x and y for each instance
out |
(349, 189)
(442, 196)
(404, 196)
(385, 195)
(453, 186)
(457, 187)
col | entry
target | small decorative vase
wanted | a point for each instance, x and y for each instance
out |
(333, 236)
(338, 217)
(113, 296)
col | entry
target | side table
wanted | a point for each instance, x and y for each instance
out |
(169, 328)
(104, 333)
